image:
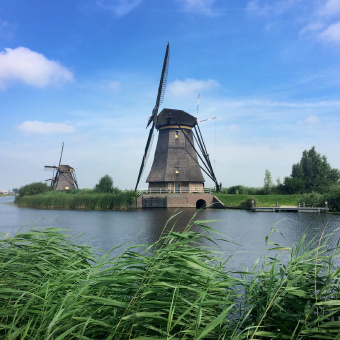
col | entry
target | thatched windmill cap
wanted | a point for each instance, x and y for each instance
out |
(174, 117)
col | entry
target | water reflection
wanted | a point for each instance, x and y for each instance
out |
(107, 229)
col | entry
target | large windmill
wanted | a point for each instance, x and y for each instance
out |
(64, 178)
(175, 166)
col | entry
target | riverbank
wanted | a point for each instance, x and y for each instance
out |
(52, 286)
(238, 201)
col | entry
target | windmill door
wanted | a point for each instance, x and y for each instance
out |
(177, 188)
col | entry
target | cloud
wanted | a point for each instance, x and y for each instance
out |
(199, 6)
(114, 85)
(330, 8)
(270, 8)
(31, 68)
(6, 29)
(312, 120)
(190, 86)
(45, 128)
(331, 33)
(118, 7)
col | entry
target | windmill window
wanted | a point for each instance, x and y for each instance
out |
(176, 134)
(177, 170)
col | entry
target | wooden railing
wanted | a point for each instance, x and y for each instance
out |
(185, 190)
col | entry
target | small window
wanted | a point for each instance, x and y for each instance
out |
(176, 134)
(177, 170)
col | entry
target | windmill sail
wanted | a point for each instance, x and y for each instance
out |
(153, 118)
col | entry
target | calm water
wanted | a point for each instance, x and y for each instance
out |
(107, 229)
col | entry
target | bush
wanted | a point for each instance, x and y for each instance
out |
(33, 189)
(243, 190)
(333, 199)
(313, 199)
(248, 203)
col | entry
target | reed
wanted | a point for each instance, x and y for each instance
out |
(85, 200)
(52, 287)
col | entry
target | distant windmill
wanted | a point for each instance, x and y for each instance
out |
(65, 177)
(175, 166)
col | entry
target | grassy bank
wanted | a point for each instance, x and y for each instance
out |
(233, 200)
(53, 288)
(77, 200)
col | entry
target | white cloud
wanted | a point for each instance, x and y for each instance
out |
(31, 68)
(270, 8)
(191, 86)
(118, 7)
(330, 8)
(114, 85)
(332, 33)
(199, 6)
(234, 127)
(6, 29)
(312, 120)
(45, 128)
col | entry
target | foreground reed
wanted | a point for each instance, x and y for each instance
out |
(51, 287)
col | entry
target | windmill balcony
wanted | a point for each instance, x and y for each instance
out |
(181, 190)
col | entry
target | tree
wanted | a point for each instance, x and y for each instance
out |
(268, 182)
(16, 190)
(314, 172)
(34, 188)
(105, 184)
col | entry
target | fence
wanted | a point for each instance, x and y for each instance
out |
(184, 190)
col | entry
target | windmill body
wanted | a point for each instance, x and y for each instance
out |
(175, 166)
(65, 177)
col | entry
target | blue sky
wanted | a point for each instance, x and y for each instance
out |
(86, 72)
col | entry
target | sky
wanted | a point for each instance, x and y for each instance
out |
(86, 73)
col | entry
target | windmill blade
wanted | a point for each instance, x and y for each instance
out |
(61, 155)
(153, 118)
(146, 152)
(161, 87)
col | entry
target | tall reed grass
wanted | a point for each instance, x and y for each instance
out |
(79, 200)
(51, 287)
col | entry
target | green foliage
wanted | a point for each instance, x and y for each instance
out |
(243, 190)
(332, 197)
(261, 200)
(51, 287)
(105, 184)
(313, 199)
(33, 189)
(16, 190)
(268, 182)
(293, 186)
(314, 172)
(85, 199)
(248, 203)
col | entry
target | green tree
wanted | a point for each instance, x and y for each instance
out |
(16, 190)
(268, 182)
(34, 188)
(105, 184)
(314, 172)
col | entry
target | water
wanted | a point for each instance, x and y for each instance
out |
(107, 229)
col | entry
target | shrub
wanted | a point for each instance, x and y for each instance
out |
(248, 203)
(33, 189)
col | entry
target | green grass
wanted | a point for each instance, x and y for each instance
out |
(51, 287)
(232, 200)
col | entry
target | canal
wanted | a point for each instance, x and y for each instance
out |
(245, 230)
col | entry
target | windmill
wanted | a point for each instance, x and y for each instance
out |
(175, 166)
(64, 178)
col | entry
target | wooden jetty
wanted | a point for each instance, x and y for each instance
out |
(300, 209)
